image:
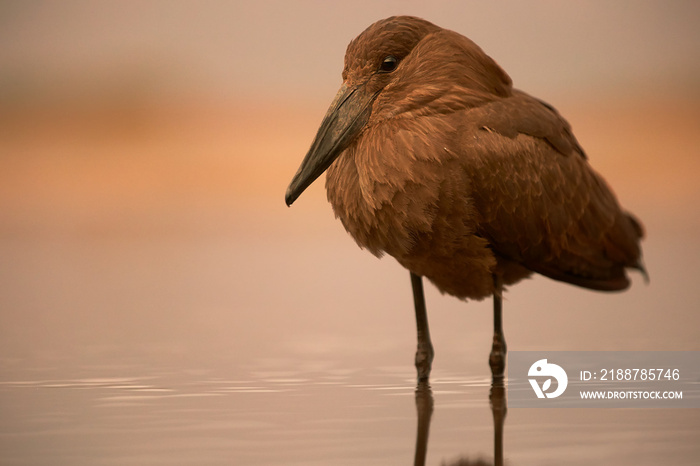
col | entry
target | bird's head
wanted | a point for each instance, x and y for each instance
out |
(399, 67)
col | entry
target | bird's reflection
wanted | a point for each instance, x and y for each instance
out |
(424, 408)
(499, 408)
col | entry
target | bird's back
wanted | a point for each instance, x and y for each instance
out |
(540, 203)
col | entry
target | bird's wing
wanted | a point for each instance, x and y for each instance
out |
(540, 203)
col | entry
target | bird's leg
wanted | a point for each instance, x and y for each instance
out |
(497, 358)
(424, 353)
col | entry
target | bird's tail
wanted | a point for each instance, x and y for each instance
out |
(639, 229)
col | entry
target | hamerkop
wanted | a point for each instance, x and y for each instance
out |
(434, 159)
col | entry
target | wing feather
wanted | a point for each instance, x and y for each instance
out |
(540, 202)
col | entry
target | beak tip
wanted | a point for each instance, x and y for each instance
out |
(289, 197)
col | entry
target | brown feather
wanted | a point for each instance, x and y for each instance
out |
(459, 176)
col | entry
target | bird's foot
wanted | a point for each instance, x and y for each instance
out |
(424, 361)
(497, 358)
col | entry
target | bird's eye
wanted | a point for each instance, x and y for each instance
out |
(389, 64)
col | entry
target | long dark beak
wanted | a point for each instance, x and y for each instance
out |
(344, 120)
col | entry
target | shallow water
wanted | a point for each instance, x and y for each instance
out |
(196, 349)
(322, 417)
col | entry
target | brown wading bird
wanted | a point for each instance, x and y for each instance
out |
(434, 159)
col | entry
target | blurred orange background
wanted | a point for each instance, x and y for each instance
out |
(111, 110)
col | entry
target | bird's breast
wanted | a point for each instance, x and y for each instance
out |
(385, 188)
(404, 191)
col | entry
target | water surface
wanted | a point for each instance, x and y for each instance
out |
(128, 350)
